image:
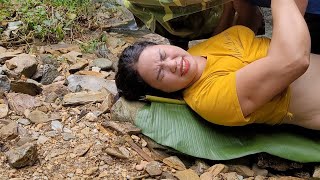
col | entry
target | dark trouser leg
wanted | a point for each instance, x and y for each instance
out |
(313, 21)
(184, 44)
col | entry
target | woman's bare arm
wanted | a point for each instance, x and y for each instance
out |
(287, 59)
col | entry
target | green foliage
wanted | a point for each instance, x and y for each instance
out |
(94, 44)
(47, 19)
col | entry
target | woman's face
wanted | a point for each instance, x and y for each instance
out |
(167, 68)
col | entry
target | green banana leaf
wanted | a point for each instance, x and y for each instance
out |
(178, 127)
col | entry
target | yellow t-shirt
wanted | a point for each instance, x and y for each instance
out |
(214, 95)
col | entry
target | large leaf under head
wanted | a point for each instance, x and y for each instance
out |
(177, 126)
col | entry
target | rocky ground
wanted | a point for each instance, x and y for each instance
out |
(59, 120)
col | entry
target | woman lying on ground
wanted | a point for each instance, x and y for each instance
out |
(235, 78)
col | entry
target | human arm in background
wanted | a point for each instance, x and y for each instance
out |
(287, 59)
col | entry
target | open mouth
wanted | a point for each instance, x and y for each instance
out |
(185, 65)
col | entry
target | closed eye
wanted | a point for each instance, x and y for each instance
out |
(162, 56)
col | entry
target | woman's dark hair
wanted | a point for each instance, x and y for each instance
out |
(129, 83)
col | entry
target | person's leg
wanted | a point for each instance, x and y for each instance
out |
(227, 18)
(248, 14)
(313, 21)
(261, 3)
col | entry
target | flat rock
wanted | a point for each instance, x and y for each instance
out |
(116, 153)
(174, 162)
(38, 117)
(83, 98)
(58, 49)
(214, 171)
(72, 56)
(54, 153)
(90, 83)
(8, 55)
(23, 121)
(122, 127)
(58, 88)
(81, 149)
(20, 102)
(187, 174)
(79, 65)
(92, 73)
(22, 156)
(26, 87)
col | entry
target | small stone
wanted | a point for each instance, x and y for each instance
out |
(4, 109)
(23, 140)
(141, 166)
(242, 170)
(199, 167)
(214, 171)
(56, 126)
(187, 174)
(124, 151)
(23, 121)
(174, 162)
(4, 83)
(258, 171)
(79, 171)
(116, 153)
(9, 131)
(91, 170)
(42, 139)
(316, 173)
(103, 174)
(68, 136)
(38, 117)
(102, 63)
(22, 156)
(91, 117)
(154, 168)
(82, 149)
(96, 69)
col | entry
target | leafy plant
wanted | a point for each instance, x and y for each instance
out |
(48, 20)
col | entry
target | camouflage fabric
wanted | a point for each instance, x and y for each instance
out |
(187, 19)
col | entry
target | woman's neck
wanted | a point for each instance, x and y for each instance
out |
(201, 62)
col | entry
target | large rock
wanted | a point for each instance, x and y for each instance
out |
(125, 111)
(22, 156)
(20, 102)
(50, 72)
(26, 87)
(90, 83)
(23, 64)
